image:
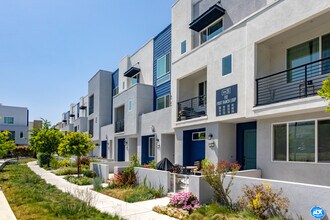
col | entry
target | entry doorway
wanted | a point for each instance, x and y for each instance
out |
(247, 145)
(193, 146)
(121, 149)
(104, 149)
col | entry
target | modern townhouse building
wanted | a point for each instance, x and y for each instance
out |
(245, 82)
(78, 115)
(65, 124)
(99, 106)
(16, 121)
(141, 101)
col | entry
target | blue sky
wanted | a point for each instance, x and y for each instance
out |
(50, 49)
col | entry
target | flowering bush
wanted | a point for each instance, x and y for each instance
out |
(172, 212)
(215, 176)
(184, 200)
(263, 201)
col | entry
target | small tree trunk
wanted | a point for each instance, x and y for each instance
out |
(78, 165)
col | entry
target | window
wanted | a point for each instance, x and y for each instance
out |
(11, 135)
(123, 85)
(226, 65)
(279, 142)
(115, 91)
(130, 105)
(77, 109)
(183, 47)
(163, 69)
(8, 120)
(163, 102)
(21, 135)
(75, 129)
(135, 79)
(299, 140)
(198, 136)
(211, 31)
(152, 147)
(91, 105)
(202, 87)
(91, 127)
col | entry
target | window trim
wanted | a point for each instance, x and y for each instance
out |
(166, 72)
(287, 144)
(115, 89)
(199, 132)
(231, 65)
(206, 28)
(185, 47)
(7, 117)
(153, 137)
(164, 97)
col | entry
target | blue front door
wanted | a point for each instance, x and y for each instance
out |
(193, 146)
(121, 150)
(148, 149)
(104, 149)
(246, 139)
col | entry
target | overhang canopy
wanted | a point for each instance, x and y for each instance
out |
(211, 15)
(132, 71)
(82, 107)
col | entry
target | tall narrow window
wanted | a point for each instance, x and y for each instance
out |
(226, 65)
(183, 47)
(202, 93)
(91, 127)
(91, 105)
(152, 147)
(323, 138)
(326, 54)
(163, 69)
(279, 142)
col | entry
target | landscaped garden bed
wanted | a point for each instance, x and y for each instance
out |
(30, 197)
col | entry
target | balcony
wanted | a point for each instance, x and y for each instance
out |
(119, 126)
(298, 82)
(192, 108)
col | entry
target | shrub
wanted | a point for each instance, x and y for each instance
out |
(263, 201)
(89, 173)
(79, 180)
(135, 161)
(54, 163)
(152, 164)
(172, 212)
(64, 162)
(84, 161)
(66, 171)
(97, 184)
(215, 176)
(23, 151)
(184, 200)
(125, 178)
(43, 159)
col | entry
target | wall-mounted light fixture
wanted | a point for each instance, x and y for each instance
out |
(210, 136)
(152, 128)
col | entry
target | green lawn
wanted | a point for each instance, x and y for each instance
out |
(30, 197)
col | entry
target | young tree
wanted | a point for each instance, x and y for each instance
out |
(324, 92)
(46, 140)
(6, 144)
(75, 143)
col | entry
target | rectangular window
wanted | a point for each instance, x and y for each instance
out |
(91, 105)
(198, 136)
(302, 141)
(130, 105)
(135, 79)
(226, 65)
(8, 120)
(123, 85)
(163, 102)
(211, 31)
(299, 139)
(115, 91)
(91, 127)
(152, 147)
(163, 69)
(11, 135)
(183, 47)
(279, 142)
(326, 54)
(299, 55)
(21, 135)
(323, 139)
(202, 88)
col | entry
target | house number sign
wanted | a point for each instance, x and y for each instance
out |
(226, 101)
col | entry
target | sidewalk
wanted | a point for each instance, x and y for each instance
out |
(5, 210)
(132, 211)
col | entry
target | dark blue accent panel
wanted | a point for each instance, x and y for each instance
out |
(121, 150)
(162, 46)
(104, 149)
(115, 79)
(145, 154)
(240, 128)
(192, 150)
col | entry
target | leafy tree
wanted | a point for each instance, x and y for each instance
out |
(78, 144)
(46, 140)
(324, 92)
(6, 144)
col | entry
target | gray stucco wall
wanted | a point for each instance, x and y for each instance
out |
(153, 178)
(304, 172)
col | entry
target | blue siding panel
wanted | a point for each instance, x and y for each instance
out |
(115, 79)
(162, 46)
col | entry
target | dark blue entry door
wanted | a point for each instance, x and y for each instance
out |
(247, 145)
(104, 149)
(193, 146)
(121, 149)
(147, 154)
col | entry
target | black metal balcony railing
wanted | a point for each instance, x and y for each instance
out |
(192, 108)
(299, 82)
(119, 126)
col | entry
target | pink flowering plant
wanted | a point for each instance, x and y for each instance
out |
(184, 200)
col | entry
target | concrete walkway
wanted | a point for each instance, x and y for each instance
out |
(5, 211)
(134, 211)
